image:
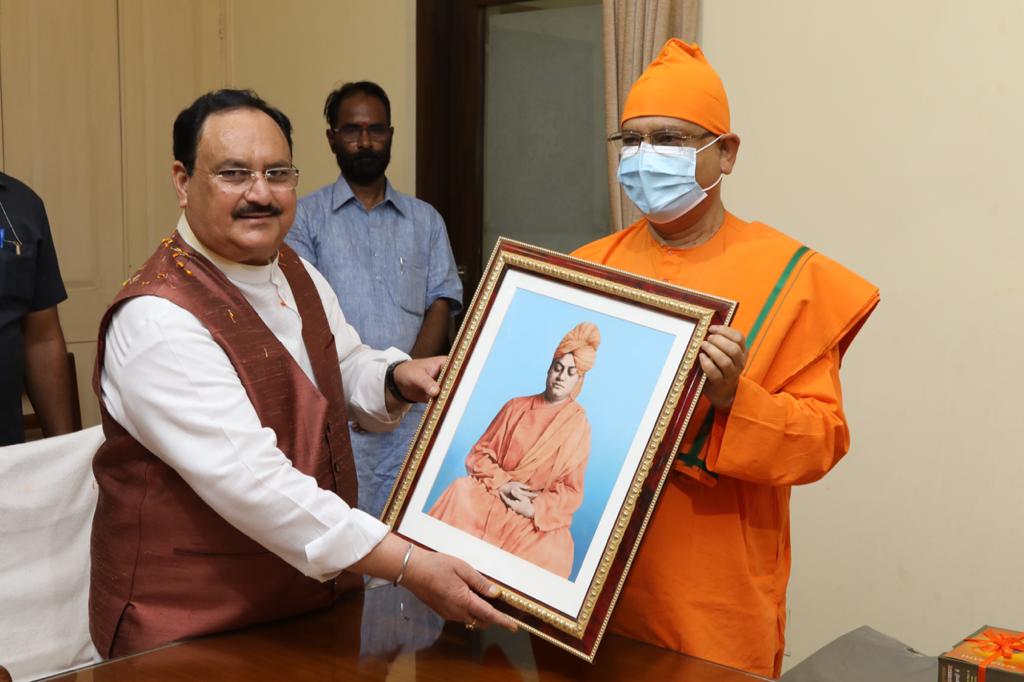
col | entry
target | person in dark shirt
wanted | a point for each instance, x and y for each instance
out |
(33, 356)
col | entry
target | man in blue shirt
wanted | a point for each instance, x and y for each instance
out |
(387, 257)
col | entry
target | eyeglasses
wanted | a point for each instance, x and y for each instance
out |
(350, 132)
(657, 138)
(278, 179)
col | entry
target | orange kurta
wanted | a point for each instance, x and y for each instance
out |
(710, 577)
(542, 445)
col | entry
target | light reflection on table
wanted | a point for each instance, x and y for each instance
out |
(386, 633)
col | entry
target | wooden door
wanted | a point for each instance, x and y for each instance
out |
(90, 90)
(61, 131)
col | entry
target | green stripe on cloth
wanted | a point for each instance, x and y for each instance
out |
(691, 457)
(780, 284)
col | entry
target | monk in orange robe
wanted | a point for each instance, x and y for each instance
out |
(526, 471)
(711, 573)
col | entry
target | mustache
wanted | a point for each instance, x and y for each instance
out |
(363, 165)
(367, 155)
(248, 210)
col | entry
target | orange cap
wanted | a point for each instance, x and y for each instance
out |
(680, 83)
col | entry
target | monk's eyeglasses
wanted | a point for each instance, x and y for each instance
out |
(658, 138)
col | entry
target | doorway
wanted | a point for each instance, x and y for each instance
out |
(510, 124)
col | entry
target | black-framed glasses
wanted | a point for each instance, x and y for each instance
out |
(350, 132)
(668, 137)
(279, 179)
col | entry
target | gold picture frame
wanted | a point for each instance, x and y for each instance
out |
(639, 404)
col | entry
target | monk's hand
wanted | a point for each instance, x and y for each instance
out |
(452, 587)
(723, 355)
(516, 490)
(417, 380)
(523, 507)
(518, 497)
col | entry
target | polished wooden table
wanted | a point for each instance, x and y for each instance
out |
(386, 633)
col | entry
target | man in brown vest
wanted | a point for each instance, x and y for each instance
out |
(227, 489)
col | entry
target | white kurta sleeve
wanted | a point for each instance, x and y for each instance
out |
(169, 384)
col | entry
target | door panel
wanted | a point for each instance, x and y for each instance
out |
(170, 54)
(61, 129)
(545, 168)
(89, 91)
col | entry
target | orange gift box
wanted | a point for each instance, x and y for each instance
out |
(989, 655)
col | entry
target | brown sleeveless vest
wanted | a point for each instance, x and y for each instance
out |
(165, 566)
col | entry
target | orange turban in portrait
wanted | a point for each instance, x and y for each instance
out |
(582, 341)
(680, 83)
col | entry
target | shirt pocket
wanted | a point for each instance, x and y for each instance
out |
(18, 272)
(410, 286)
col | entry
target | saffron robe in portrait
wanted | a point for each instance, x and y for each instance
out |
(711, 573)
(542, 445)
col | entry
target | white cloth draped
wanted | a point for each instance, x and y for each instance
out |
(47, 500)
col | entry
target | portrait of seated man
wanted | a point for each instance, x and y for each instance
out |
(525, 473)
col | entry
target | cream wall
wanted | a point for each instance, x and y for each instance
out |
(326, 44)
(889, 136)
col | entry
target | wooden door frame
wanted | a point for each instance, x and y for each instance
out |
(450, 38)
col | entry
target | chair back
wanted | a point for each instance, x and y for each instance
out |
(47, 501)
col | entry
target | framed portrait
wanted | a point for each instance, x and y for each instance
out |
(561, 410)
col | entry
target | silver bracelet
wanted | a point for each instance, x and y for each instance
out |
(405, 562)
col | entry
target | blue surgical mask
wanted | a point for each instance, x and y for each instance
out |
(662, 181)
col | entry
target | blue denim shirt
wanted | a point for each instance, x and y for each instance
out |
(387, 265)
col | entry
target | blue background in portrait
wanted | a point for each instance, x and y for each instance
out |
(616, 392)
